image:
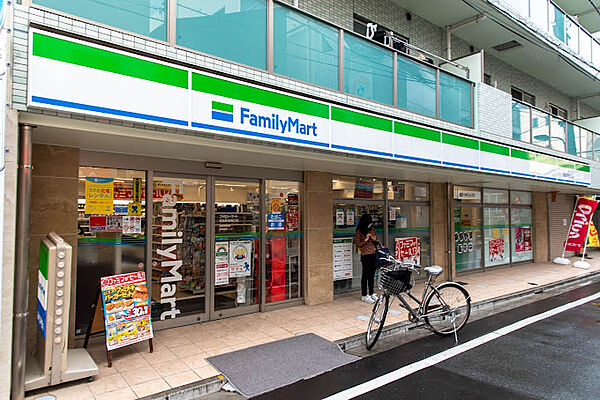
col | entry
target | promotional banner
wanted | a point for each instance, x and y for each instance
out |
(342, 258)
(126, 309)
(496, 249)
(522, 239)
(240, 258)
(584, 209)
(408, 250)
(593, 240)
(221, 263)
(99, 196)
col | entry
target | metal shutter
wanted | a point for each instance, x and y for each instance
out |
(558, 211)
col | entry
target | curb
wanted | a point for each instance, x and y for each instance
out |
(403, 327)
(194, 390)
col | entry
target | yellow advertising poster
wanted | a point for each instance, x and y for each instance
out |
(275, 205)
(505, 232)
(134, 209)
(99, 196)
(593, 240)
(495, 233)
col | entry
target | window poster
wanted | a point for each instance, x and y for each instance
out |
(97, 223)
(350, 217)
(132, 225)
(342, 258)
(522, 239)
(363, 189)
(392, 213)
(292, 218)
(240, 258)
(496, 249)
(221, 263)
(339, 217)
(408, 250)
(276, 221)
(126, 309)
(99, 196)
(114, 223)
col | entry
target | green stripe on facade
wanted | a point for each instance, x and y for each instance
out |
(566, 164)
(217, 105)
(460, 141)
(583, 168)
(545, 159)
(360, 119)
(103, 60)
(495, 149)
(523, 155)
(233, 90)
(417, 132)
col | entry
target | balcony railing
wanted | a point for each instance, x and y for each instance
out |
(284, 40)
(558, 24)
(532, 125)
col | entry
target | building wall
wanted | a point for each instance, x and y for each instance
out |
(540, 227)
(560, 211)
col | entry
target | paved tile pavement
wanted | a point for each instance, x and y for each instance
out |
(180, 354)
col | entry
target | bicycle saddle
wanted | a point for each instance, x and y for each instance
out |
(434, 270)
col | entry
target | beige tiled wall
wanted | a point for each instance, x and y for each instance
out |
(439, 227)
(53, 208)
(540, 227)
(318, 237)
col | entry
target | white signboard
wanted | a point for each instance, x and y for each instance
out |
(132, 225)
(350, 217)
(240, 258)
(342, 258)
(221, 263)
(339, 217)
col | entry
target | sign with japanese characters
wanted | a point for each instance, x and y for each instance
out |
(240, 258)
(496, 249)
(342, 258)
(99, 196)
(276, 221)
(408, 250)
(126, 309)
(221, 263)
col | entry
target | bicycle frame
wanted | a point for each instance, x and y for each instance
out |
(418, 312)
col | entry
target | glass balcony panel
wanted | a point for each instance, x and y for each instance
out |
(540, 122)
(587, 149)
(558, 135)
(596, 139)
(368, 70)
(539, 13)
(595, 53)
(522, 6)
(572, 35)
(557, 22)
(455, 99)
(521, 122)
(585, 45)
(233, 30)
(573, 136)
(304, 48)
(144, 17)
(416, 87)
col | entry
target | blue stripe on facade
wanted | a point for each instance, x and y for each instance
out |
(565, 180)
(106, 110)
(501, 171)
(221, 116)
(379, 153)
(411, 158)
(582, 183)
(523, 174)
(546, 177)
(453, 164)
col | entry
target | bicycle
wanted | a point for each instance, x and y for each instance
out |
(444, 309)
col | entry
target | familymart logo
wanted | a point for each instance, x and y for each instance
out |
(222, 111)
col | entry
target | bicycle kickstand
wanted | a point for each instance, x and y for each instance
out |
(454, 326)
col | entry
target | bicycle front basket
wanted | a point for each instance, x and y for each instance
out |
(397, 281)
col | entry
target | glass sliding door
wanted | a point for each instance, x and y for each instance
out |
(468, 236)
(236, 247)
(179, 247)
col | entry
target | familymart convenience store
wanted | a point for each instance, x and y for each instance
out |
(239, 221)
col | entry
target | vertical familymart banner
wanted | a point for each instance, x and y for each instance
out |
(580, 223)
(93, 79)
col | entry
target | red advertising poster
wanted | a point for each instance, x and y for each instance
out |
(584, 209)
(126, 309)
(98, 223)
(522, 239)
(496, 249)
(409, 250)
(292, 219)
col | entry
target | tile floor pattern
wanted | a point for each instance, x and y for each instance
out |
(180, 354)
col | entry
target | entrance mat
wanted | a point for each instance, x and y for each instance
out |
(268, 366)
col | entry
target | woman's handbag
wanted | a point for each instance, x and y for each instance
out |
(382, 256)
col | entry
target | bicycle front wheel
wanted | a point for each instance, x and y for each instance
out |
(377, 320)
(447, 308)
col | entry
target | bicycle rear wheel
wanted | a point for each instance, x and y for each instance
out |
(377, 320)
(447, 308)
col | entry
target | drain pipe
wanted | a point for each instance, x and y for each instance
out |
(462, 24)
(21, 288)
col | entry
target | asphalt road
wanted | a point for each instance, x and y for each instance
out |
(554, 358)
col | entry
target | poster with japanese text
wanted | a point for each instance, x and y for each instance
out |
(408, 250)
(221, 263)
(342, 258)
(522, 239)
(240, 258)
(496, 249)
(132, 225)
(99, 196)
(126, 309)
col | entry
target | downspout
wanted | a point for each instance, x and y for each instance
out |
(462, 24)
(21, 288)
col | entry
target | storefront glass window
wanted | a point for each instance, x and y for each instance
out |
(347, 268)
(467, 237)
(179, 212)
(517, 197)
(495, 196)
(284, 238)
(403, 190)
(408, 229)
(110, 240)
(522, 234)
(237, 228)
(497, 241)
(357, 188)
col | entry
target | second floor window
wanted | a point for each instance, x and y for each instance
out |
(557, 111)
(523, 96)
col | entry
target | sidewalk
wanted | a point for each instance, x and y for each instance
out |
(180, 354)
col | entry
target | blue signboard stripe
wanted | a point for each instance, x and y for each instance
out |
(379, 153)
(417, 158)
(501, 171)
(222, 116)
(453, 164)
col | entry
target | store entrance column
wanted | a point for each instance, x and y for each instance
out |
(236, 247)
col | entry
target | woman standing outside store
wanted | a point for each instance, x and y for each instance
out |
(366, 239)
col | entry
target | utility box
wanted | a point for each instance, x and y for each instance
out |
(51, 362)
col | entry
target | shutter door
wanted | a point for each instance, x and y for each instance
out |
(559, 211)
